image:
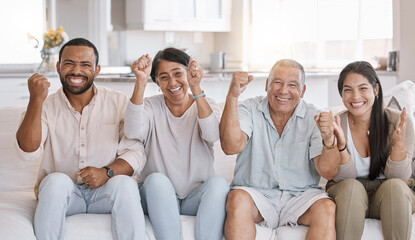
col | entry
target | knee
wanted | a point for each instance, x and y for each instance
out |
(217, 186)
(122, 183)
(327, 206)
(395, 187)
(238, 201)
(158, 182)
(350, 189)
(55, 184)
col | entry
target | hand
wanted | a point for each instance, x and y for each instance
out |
(240, 81)
(93, 177)
(338, 132)
(325, 122)
(142, 69)
(399, 134)
(194, 76)
(38, 87)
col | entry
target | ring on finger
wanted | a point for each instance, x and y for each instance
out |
(196, 68)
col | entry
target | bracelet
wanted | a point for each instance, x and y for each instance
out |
(345, 146)
(198, 96)
(331, 146)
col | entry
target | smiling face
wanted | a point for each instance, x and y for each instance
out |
(284, 90)
(77, 69)
(172, 79)
(358, 94)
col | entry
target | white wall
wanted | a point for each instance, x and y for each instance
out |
(199, 45)
(404, 32)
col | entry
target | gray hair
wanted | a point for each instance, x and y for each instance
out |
(293, 64)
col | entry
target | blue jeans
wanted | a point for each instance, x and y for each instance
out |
(206, 202)
(59, 197)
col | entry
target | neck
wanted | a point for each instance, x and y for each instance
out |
(362, 122)
(178, 109)
(78, 102)
(280, 120)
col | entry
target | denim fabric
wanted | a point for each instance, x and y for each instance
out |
(206, 202)
(60, 197)
(270, 162)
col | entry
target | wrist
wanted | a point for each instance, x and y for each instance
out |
(198, 95)
(331, 145)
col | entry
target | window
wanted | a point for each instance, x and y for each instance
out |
(19, 18)
(320, 33)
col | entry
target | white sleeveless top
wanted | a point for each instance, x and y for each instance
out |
(362, 164)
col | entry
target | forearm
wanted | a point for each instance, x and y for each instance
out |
(121, 167)
(401, 169)
(232, 138)
(29, 134)
(138, 93)
(346, 171)
(203, 107)
(329, 162)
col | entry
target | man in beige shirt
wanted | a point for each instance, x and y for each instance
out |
(86, 160)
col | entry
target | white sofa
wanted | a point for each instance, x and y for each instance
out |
(18, 203)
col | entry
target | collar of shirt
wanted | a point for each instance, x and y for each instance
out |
(66, 100)
(300, 111)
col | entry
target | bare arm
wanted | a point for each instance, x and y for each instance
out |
(233, 139)
(29, 134)
(194, 77)
(141, 69)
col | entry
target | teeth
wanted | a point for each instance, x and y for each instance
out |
(173, 90)
(357, 104)
(76, 80)
(283, 99)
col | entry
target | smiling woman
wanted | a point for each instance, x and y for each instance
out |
(15, 47)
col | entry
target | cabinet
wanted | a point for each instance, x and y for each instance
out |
(179, 15)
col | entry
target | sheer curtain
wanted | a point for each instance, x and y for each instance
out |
(320, 33)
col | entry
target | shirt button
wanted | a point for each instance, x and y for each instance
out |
(82, 128)
(82, 161)
(82, 145)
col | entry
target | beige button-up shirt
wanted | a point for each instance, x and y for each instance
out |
(72, 141)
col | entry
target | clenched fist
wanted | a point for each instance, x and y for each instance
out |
(38, 87)
(142, 69)
(330, 126)
(240, 81)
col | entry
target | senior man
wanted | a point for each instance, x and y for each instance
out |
(281, 155)
(86, 160)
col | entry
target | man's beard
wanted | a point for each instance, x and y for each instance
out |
(76, 90)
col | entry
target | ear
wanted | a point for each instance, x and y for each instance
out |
(303, 91)
(58, 68)
(266, 86)
(97, 70)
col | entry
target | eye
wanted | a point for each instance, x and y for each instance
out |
(363, 88)
(86, 65)
(163, 78)
(292, 85)
(347, 90)
(178, 74)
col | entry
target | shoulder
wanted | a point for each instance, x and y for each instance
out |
(253, 102)
(154, 100)
(112, 94)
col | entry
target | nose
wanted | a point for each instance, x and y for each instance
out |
(283, 88)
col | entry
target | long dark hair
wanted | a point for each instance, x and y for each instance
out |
(171, 55)
(379, 124)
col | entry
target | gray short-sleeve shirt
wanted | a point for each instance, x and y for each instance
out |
(271, 163)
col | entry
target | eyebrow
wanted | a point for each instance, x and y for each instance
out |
(174, 69)
(72, 61)
(363, 84)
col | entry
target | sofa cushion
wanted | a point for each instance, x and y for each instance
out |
(15, 174)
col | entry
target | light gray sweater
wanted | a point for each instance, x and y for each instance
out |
(179, 147)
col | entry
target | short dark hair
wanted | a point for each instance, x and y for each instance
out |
(171, 55)
(379, 124)
(80, 42)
